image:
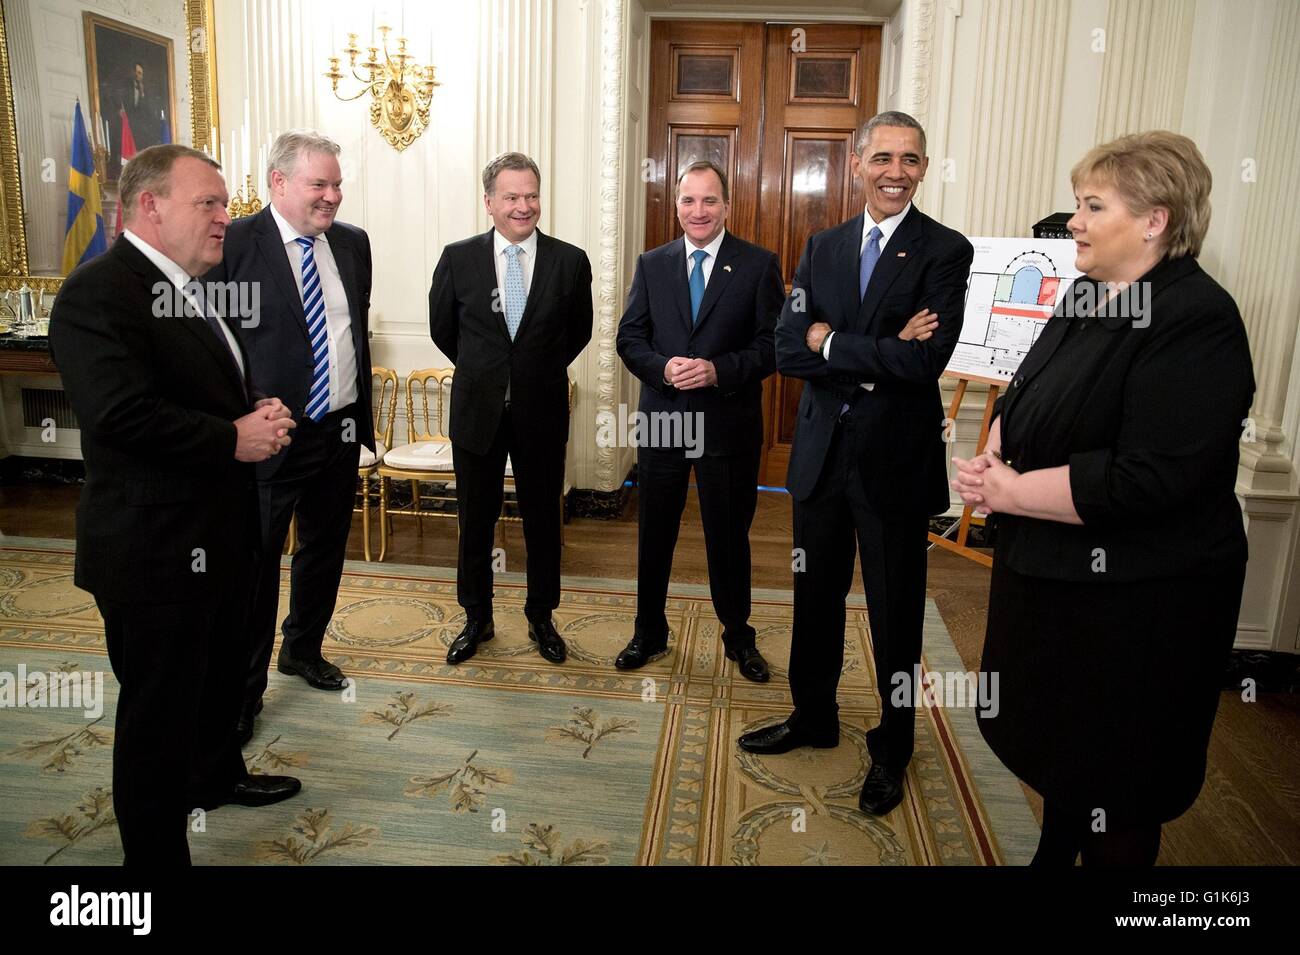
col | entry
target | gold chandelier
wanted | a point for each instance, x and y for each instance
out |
(401, 90)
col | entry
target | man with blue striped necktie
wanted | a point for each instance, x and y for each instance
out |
(309, 343)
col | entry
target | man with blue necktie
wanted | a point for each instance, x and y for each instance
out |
(308, 343)
(511, 309)
(873, 316)
(698, 332)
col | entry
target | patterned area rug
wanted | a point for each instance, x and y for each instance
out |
(506, 759)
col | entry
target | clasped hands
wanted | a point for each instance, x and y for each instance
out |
(686, 374)
(919, 327)
(264, 431)
(986, 483)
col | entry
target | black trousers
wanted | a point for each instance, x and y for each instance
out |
(728, 487)
(318, 482)
(180, 667)
(539, 481)
(893, 551)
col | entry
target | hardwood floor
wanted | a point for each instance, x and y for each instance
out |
(1247, 813)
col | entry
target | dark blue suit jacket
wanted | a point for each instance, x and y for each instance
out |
(156, 400)
(277, 343)
(735, 331)
(903, 453)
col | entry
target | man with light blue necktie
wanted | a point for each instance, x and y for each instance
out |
(874, 313)
(511, 309)
(698, 333)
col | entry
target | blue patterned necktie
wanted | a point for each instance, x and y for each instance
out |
(209, 316)
(515, 294)
(867, 265)
(697, 284)
(313, 309)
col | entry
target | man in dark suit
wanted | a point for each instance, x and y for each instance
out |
(698, 332)
(868, 458)
(511, 309)
(309, 344)
(166, 528)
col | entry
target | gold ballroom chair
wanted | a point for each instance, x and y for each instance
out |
(383, 387)
(427, 457)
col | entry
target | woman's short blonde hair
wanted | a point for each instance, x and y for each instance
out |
(1156, 168)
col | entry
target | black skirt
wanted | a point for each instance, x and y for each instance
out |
(1106, 693)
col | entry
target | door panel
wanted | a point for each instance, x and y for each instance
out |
(815, 101)
(782, 124)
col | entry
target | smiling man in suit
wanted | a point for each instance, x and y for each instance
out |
(698, 332)
(868, 458)
(167, 524)
(308, 342)
(511, 309)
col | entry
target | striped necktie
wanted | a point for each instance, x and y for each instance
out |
(313, 309)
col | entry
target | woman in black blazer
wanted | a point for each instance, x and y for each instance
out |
(1121, 551)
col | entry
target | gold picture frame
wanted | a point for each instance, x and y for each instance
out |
(202, 79)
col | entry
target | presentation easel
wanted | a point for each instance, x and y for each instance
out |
(962, 527)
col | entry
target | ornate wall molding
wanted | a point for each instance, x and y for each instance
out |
(202, 71)
(920, 23)
(609, 267)
(13, 241)
(1267, 289)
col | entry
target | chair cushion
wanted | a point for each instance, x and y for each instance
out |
(370, 458)
(421, 456)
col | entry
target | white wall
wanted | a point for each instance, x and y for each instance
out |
(541, 76)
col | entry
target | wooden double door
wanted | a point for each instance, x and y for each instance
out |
(777, 106)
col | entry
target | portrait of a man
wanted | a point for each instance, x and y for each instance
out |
(130, 79)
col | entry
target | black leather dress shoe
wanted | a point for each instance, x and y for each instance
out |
(466, 643)
(639, 650)
(549, 642)
(751, 663)
(882, 791)
(244, 728)
(257, 791)
(321, 674)
(781, 738)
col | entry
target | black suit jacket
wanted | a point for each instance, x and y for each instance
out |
(276, 338)
(735, 331)
(1151, 440)
(556, 326)
(924, 265)
(155, 399)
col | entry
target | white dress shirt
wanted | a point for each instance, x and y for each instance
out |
(887, 227)
(179, 278)
(707, 264)
(338, 318)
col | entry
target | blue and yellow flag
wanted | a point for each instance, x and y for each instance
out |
(85, 236)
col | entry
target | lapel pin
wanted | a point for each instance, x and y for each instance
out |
(902, 254)
(726, 268)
